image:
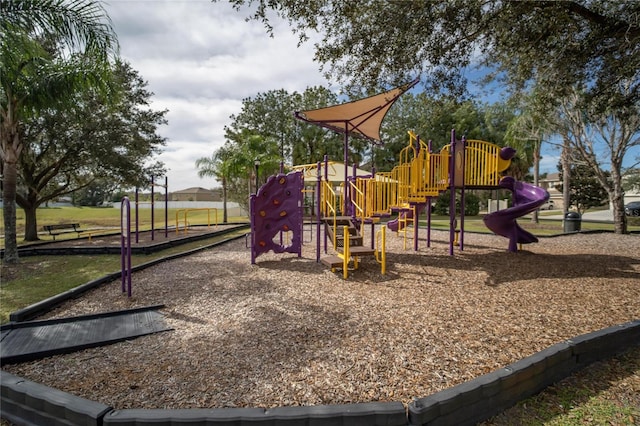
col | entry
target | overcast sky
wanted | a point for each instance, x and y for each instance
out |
(201, 59)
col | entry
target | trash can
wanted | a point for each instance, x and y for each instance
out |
(572, 222)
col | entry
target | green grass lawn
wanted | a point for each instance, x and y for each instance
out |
(544, 227)
(37, 278)
(107, 219)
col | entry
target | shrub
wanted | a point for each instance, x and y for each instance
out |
(471, 204)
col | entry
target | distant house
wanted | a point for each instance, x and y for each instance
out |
(549, 183)
(195, 194)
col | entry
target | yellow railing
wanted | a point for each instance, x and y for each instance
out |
(328, 205)
(419, 174)
(345, 255)
(185, 213)
(381, 255)
(358, 202)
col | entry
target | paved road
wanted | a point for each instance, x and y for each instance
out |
(597, 216)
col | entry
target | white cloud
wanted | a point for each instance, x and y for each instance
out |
(200, 60)
(549, 162)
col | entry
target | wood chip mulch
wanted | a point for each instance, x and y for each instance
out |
(287, 331)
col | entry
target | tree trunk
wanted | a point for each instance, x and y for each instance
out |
(616, 198)
(31, 223)
(9, 211)
(225, 217)
(11, 148)
(566, 176)
(536, 175)
(619, 218)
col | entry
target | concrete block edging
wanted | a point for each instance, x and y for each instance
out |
(26, 402)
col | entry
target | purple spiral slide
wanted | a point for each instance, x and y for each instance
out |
(526, 199)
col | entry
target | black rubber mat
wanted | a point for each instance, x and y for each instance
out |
(29, 340)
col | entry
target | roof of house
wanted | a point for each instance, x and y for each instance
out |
(193, 190)
(552, 177)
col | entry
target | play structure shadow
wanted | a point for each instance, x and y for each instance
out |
(554, 266)
(504, 267)
(307, 266)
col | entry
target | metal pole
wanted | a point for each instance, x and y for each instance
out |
(346, 159)
(452, 190)
(153, 224)
(137, 209)
(462, 193)
(318, 209)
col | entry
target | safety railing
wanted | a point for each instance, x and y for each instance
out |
(420, 174)
(185, 219)
(381, 253)
(358, 203)
(328, 205)
(481, 163)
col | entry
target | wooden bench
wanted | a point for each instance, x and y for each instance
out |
(62, 228)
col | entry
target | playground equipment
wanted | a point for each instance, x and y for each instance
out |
(185, 217)
(166, 208)
(420, 175)
(526, 199)
(277, 208)
(463, 164)
(125, 245)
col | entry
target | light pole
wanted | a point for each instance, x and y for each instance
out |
(256, 164)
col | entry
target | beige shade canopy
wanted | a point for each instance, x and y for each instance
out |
(358, 118)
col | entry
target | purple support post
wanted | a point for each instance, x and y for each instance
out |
(252, 214)
(137, 211)
(429, 206)
(452, 190)
(416, 216)
(326, 178)
(125, 244)
(428, 221)
(318, 210)
(300, 209)
(153, 223)
(346, 159)
(462, 193)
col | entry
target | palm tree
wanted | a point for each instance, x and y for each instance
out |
(526, 134)
(217, 166)
(32, 80)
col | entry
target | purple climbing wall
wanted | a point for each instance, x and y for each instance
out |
(276, 208)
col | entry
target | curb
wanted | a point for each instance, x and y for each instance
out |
(26, 402)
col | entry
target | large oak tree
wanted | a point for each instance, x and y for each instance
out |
(592, 46)
(95, 138)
